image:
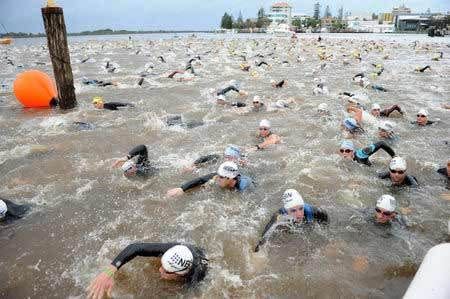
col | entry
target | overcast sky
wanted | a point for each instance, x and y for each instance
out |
(80, 15)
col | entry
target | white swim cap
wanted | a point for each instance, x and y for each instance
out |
(264, 123)
(322, 107)
(228, 169)
(398, 163)
(221, 97)
(347, 144)
(3, 209)
(127, 165)
(177, 259)
(386, 126)
(291, 198)
(234, 83)
(232, 151)
(387, 202)
(376, 106)
(281, 104)
(257, 99)
(272, 81)
(423, 112)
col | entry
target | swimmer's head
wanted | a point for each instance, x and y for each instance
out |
(347, 150)
(375, 110)
(281, 104)
(385, 129)
(3, 209)
(293, 204)
(221, 99)
(350, 124)
(385, 209)
(257, 101)
(232, 152)
(129, 168)
(264, 127)
(323, 109)
(98, 102)
(226, 174)
(422, 117)
(397, 170)
(175, 262)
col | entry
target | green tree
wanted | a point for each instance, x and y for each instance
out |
(261, 13)
(239, 24)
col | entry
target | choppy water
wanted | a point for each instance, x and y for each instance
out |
(84, 212)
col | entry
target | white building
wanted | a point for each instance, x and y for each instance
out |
(365, 24)
(280, 12)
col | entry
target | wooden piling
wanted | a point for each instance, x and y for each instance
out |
(55, 29)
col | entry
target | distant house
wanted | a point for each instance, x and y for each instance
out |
(280, 12)
(412, 22)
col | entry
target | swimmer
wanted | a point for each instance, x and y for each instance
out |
(397, 174)
(351, 126)
(445, 171)
(349, 152)
(422, 118)
(385, 212)
(99, 83)
(323, 110)
(176, 120)
(99, 104)
(423, 69)
(261, 63)
(183, 263)
(232, 153)
(386, 131)
(265, 135)
(136, 163)
(277, 84)
(377, 112)
(294, 210)
(258, 105)
(10, 211)
(320, 89)
(233, 85)
(227, 176)
(221, 100)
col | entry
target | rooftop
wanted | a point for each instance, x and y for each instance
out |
(281, 4)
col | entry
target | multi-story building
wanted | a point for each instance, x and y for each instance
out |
(280, 12)
(386, 17)
(401, 10)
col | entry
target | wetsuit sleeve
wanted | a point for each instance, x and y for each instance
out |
(386, 112)
(320, 215)
(141, 151)
(280, 84)
(140, 249)
(430, 122)
(443, 171)
(238, 104)
(197, 182)
(110, 106)
(227, 89)
(412, 181)
(384, 175)
(263, 238)
(370, 150)
(206, 159)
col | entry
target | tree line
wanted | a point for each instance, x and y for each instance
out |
(228, 21)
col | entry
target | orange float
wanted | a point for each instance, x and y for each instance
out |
(34, 89)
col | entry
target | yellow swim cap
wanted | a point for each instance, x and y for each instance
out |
(97, 100)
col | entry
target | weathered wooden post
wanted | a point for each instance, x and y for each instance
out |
(55, 29)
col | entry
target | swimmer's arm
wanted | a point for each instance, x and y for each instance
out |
(320, 215)
(206, 159)
(370, 150)
(263, 239)
(273, 139)
(140, 150)
(197, 182)
(140, 249)
(412, 181)
(384, 175)
(386, 112)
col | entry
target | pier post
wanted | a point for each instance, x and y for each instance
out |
(55, 29)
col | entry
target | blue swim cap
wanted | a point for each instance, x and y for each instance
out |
(347, 144)
(350, 123)
(232, 151)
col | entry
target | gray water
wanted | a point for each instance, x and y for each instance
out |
(84, 211)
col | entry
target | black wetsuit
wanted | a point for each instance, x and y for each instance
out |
(386, 112)
(96, 82)
(429, 122)
(424, 69)
(362, 155)
(227, 89)
(311, 214)
(444, 172)
(174, 73)
(280, 84)
(408, 181)
(207, 159)
(379, 88)
(242, 182)
(238, 104)
(14, 212)
(144, 168)
(261, 63)
(196, 273)
(116, 105)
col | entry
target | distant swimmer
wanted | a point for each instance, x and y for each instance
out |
(232, 153)
(99, 104)
(227, 176)
(386, 132)
(136, 163)
(233, 85)
(351, 126)
(349, 152)
(422, 118)
(99, 83)
(161, 59)
(320, 89)
(423, 69)
(294, 212)
(183, 263)
(397, 174)
(276, 84)
(10, 211)
(377, 112)
(258, 105)
(258, 64)
(221, 100)
(323, 109)
(445, 171)
(265, 135)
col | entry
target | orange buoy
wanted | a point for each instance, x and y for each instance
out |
(34, 89)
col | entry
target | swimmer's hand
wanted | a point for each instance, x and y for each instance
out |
(102, 284)
(243, 93)
(190, 168)
(119, 162)
(175, 192)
